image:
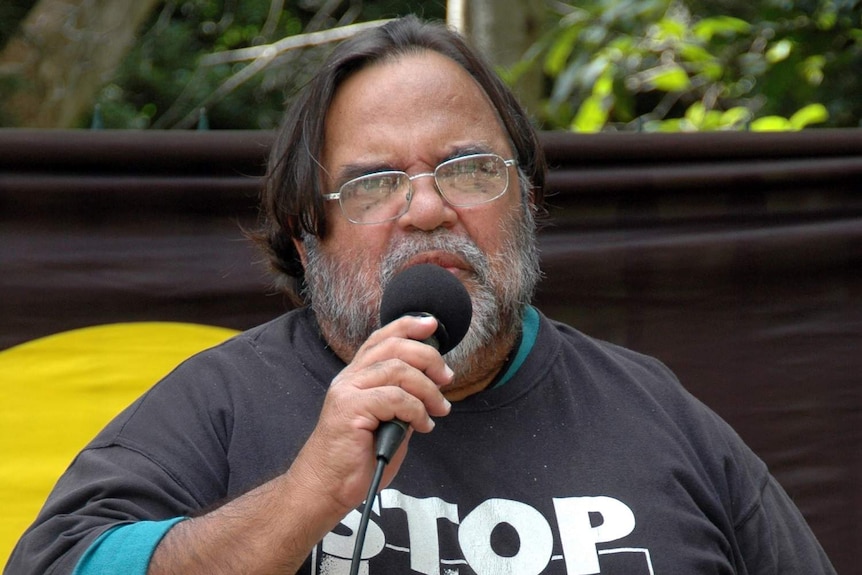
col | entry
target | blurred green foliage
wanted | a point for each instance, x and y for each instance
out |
(644, 65)
(162, 83)
(664, 65)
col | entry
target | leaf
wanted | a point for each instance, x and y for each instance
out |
(560, 51)
(604, 85)
(736, 116)
(811, 114)
(671, 28)
(696, 113)
(593, 113)
(695, 53)
(812, 69)
(699, 118)
(670, 78)
(667, 126)
(713, 71)
(591, 116)
(826, 19)
(701, 61)
(719, 26)
(779, 51)
(771, 124)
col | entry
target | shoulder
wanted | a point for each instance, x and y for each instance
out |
(238, 376)
(604, 358)
(274, 347)
(643, 388)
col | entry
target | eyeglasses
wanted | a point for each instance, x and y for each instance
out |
(383, 196)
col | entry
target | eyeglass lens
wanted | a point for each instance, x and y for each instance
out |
(466, 181)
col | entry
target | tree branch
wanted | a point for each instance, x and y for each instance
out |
(270, 51)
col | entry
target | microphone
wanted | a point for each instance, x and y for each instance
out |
(423, 289)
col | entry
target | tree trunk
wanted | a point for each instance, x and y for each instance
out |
(64, 52)
(503, 31)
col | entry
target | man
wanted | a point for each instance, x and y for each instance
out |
(533, 448)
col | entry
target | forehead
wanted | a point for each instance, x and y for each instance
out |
(415, 107)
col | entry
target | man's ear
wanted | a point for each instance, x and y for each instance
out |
(300, 249)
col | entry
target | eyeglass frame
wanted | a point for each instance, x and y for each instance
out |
(337, 195)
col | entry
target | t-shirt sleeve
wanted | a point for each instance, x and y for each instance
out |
(103, 489)
(124, 549)
(775, 539)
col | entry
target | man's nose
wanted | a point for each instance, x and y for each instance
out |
(428, 209)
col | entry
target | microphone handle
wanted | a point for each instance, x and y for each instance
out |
(390, 434)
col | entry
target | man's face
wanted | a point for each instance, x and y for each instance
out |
(411, 114)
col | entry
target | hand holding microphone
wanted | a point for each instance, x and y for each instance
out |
(424, 289)
(392, 375)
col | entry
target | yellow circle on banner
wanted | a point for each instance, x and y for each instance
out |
(57, 392)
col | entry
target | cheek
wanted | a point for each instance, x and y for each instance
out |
(491, 225)
(363, 244)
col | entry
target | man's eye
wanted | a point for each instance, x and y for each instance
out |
(370, 191)
(380, 184)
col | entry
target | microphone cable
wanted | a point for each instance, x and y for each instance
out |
(390, 434)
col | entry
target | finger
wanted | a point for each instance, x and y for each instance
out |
(399, 380)
(405, 354)
(416, 327)
(387, 344)
(413, 328)
(388, 403)
(364, 411)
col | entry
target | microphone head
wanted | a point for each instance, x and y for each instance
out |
(426, 288)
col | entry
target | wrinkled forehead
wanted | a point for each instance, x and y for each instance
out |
(417, 99)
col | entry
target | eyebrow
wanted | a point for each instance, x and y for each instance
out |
(355, 170)
(469, 149)
(350, 171)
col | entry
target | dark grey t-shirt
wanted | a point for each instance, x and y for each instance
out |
(591, 459)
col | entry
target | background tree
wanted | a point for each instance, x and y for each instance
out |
(669, 65)
(62, 54)
(503, 30)
(190, 55)
(597, 64)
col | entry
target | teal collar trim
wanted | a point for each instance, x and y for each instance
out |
(529, 331)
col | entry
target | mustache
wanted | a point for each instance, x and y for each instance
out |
(402, 251)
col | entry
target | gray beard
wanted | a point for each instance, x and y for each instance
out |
(345, 293)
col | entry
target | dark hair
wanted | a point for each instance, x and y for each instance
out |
(291, 202)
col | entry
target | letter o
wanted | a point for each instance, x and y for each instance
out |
(537, 541)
